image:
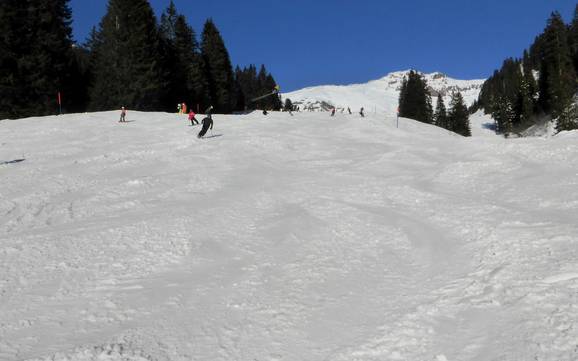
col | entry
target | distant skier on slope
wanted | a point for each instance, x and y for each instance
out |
(333, 112)
(361, 112)
(349, 110)
(122, 115)
(207, 122)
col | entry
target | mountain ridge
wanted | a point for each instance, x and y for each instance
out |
(380, 95)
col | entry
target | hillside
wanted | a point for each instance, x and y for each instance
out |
(284, 238)
(380, 95)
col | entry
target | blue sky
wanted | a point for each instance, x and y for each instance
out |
(312, 42)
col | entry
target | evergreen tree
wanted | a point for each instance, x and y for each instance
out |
(219, 69)
(255, 85)
(528, 75)
(168, 22)
(504, 115)
(440, 115)
(573, 39)
(414, 99)
(568, 119)
(36, 60)
(184, 62)
(525, 104)
(458, 115)
(128, 70)
(14, 46)
(557, 75)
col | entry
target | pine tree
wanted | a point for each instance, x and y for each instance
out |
(14, 46)
(504, 115)
(568, 119)
(414, 99)
(36, 60)
(524, 105)
(573, 39)
(528, 75)
(440, 115)
(128, 70)
(168, 22)
(255, 85)
(557, 75)
(459, 116)
(219, 69)
(187, 75)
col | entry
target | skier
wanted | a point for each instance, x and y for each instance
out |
(207, 122)
(333, 112)
(361, 112)
(265, 112)
(192, 118)
(348, 110)
(184, 108)
(179, 108)
(122, 115)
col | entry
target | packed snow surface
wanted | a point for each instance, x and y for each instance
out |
(281, 237)
(382, 95)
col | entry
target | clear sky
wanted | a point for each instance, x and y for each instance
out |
(313, 42)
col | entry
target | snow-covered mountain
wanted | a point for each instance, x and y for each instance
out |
(281, 237)
(380, 95)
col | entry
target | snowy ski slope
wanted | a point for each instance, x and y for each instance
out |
(284, 238)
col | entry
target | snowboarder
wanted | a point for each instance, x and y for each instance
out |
(361, 112)
(265, 112)
(122, 115)
(192, 118)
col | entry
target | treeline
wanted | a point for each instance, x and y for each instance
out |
(415, 103)
(541, 83)
(132, 59)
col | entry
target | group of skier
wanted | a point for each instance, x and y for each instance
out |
(349, 111)
(207, 121)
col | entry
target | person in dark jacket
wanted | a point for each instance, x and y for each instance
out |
(207, 122)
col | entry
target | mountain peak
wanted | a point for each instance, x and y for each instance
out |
(380, 95)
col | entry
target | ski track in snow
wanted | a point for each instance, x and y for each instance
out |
(287, 238)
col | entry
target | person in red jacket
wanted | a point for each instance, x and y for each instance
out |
(192, 118)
